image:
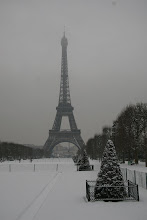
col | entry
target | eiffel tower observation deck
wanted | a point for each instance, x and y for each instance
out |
(64, 109)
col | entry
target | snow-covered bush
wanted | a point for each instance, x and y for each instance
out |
(109, 175)
(84, 163)
(75, 158)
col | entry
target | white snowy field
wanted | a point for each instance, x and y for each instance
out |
(138, 167)
(59, 193)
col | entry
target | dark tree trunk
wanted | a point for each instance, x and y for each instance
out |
(123, 157)
(129, 155)
(136, 156)
(146, 158)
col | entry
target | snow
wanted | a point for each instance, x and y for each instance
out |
(59, 194)
(138, 167)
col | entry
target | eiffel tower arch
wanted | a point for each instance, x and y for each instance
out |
(64, 109)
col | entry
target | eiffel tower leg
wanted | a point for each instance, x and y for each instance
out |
(47, 149)
(80, 142)
(72, 121)
(57, 122)
(57, 137)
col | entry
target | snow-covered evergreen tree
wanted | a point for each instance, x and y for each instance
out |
(109, 175)
(85, 165)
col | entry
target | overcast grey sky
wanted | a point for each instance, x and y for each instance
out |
(107, 62)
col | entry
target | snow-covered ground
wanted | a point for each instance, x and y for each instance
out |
(138, 167)
(59, 193)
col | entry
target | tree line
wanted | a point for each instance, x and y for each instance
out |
(128, 132)
(12, 151)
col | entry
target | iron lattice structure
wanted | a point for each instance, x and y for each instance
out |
(64, 108)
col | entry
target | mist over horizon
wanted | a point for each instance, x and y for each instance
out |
(107, 63)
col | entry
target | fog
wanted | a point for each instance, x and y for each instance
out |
(107, 63)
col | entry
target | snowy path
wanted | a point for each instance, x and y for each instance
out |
(30, 211)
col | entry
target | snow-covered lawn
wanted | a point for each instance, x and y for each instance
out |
(139, 167)
(53, 195)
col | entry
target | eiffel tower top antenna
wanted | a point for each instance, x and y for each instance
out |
(64, 96)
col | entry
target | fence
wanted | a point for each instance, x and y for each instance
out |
(24, 167)
(130, 192)
(136, 177)
(85, 168)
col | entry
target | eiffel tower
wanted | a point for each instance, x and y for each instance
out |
(64, 108)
